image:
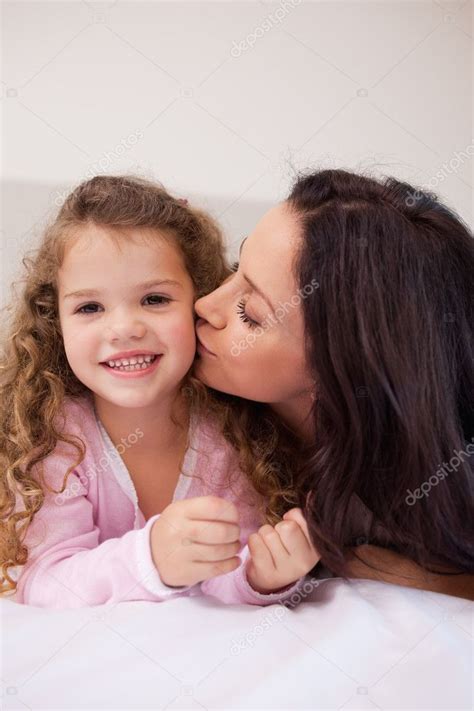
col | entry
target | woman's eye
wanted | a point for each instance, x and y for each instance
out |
(156, 300)
(244, 316)
(235, 266)
(88, 309)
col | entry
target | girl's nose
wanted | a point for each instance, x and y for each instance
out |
(121, 327)
(211, 309)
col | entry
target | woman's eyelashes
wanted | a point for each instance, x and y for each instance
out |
(244, 316)
(150, 300)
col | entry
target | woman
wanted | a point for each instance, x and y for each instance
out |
(351, 314)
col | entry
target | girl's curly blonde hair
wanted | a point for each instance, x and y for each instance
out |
(35, 376)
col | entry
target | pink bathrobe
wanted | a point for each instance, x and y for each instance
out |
(90, 545)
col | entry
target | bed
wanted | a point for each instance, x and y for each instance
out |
(347, 645)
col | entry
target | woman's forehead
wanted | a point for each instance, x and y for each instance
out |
(268, 262)
(272, 247)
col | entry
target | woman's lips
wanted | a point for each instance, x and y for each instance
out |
(202, 350)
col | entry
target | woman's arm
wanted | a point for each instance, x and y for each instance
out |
(375, 563)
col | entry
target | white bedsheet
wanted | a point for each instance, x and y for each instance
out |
(363, 645)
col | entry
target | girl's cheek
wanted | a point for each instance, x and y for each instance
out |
(182, 329)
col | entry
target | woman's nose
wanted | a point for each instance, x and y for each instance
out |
(208, 309)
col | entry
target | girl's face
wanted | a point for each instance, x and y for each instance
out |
(126, 301)
(251, 330)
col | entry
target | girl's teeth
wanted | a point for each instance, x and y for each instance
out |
(136, 363)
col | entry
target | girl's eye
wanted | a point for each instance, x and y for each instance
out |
(245, 318)
(157, 300)
(235, 266)
(150, 300)
(88, 309)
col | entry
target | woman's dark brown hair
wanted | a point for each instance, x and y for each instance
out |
(390, 341)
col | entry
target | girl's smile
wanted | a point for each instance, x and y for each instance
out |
(136, 366)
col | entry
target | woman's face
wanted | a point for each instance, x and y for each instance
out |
(250, 330)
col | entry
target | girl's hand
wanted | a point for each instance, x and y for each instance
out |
(196, 539)
(281, 554)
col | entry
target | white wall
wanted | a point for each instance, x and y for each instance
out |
(222, 101)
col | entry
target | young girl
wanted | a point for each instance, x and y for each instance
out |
(115, 483)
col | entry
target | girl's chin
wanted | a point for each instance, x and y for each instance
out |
(128, 400)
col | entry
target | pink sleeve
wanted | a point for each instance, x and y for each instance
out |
(234, 587)
(68, 567)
